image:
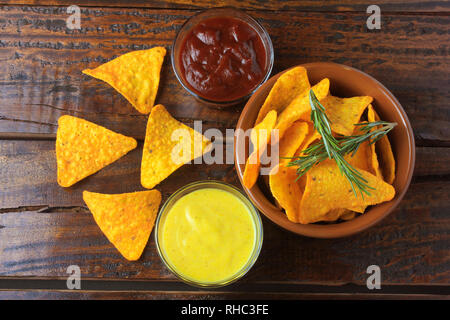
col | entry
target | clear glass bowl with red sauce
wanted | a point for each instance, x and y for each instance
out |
(222, 55)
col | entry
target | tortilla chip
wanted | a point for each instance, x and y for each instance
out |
(382, 155)
(347, 215)
(327, 188)
(135, 75)
(300, 108)
(286, 191)
(282, 180)
(343, 113)
(288, 86)
(292, 140)
(375, 166)
(335, 214)
(169, 144)
(361, 159)
(126, 219)
(83, 148)
(260, 137)
(311, 137)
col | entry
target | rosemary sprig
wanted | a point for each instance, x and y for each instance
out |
(330, 147)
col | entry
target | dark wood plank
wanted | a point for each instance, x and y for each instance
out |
(282, 5)
(150, 295)
(432, 162)
(40, 73)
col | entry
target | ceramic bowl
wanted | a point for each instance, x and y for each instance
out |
(344, 82)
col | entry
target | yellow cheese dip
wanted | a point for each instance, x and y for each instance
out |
(208, 235)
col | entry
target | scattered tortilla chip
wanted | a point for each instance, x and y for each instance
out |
(327, 189)
(382, 155)
(292, 140)
(300, 108)
(83, 148)
(286, 191)
(287, 87)
(344, 113)
(135, 75)
(126, 219)
(260, 137)
(169, 144)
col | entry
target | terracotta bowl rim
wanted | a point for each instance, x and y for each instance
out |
(342, 229)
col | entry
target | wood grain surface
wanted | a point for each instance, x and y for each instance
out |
(45, 228)
(41, 79)
(279, 5)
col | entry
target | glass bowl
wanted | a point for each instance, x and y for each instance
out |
(201, 185)
(215, 13)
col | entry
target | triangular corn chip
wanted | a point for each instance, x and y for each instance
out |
(383, 160)
(168, 145)
(286, 191)
(327, 188)
(83, 148)
(260, 137)
(288, 86)
(344, 113)
(135, 75)
(300, 108)
(336, 214)
(292, 140)
(126, 219)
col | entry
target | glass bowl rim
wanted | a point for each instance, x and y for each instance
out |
(269, 53)
(259, 234)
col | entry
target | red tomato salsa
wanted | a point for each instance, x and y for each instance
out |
(222, 59)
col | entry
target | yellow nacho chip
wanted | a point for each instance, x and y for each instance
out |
(260, 137)
(335, 214)
(135, 75)
(382, 156)
(169, 144)
(327, 188)
(287, 87)
(344, 113)
(282, 179)
(286, 191)
(311, 137)
(361, 159)
(300, 108)
(358, 160)
(126, 219)
(83, 148)
(292, 140)
(347, 215)
(373, 155)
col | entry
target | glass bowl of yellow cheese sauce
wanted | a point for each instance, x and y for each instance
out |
(208, 234)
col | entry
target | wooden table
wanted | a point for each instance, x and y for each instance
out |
(45, 228)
